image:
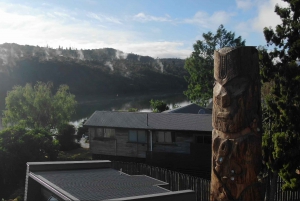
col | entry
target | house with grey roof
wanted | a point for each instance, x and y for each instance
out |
(177, 141)
(94, 180)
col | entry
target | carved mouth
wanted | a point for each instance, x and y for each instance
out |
(223, 116)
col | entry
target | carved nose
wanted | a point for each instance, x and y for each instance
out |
(223, 100)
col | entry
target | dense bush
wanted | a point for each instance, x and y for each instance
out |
(66, 137)
(158, 106)
(19, 146)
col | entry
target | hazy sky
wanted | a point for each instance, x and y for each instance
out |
(158, 28)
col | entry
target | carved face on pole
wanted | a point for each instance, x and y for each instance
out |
(233, 94)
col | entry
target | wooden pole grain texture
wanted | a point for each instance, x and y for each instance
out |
(236, 121)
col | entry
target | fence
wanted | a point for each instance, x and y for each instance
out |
(281, 195)
(178, 181)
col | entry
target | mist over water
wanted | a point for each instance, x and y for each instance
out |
(122, 103)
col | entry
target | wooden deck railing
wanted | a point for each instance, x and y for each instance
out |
(179, 181)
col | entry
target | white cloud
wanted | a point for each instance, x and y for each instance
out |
(244, 29)
(91, 2)
(142, 17)
(266, 15)
(60, 14)
(205, 20)
(245, 4)
(252, 29)
(41, 30)
(103, 18)
(156, 30)
(161, 49)
(25, 25)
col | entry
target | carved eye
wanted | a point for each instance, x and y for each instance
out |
(225, 100)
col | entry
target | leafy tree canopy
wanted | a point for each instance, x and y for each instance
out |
(158, 105)
(200, 64)
(38, 107)
(19, 146)
(280, 67)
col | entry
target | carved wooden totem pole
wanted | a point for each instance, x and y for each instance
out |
(236, 136)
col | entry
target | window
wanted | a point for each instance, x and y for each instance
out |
(109, 133)
(203, 139)
(132, 136)
(92, 132)
(168, 137)
(164, 137)
(96, 132)
(99, 132)
(142, 137)
(137, 136)
(207, 139)
(184, 137)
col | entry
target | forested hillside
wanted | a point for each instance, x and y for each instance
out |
(89, 72)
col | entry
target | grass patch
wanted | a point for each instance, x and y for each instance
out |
(79, 154)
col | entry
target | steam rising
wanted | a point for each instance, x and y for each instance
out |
(58, 52)
(121, 55)
(10, 53)
(47, 55)
(3, 56)
(109, 64)
(161, 66)
(80, 55)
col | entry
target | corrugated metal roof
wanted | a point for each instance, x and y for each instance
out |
(136, 120)
(178, 121)
(155, 121)
(101, 184)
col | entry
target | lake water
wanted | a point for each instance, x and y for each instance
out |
(88, 105)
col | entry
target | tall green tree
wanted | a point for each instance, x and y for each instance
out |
(280, 67)
(19, 146)
(200, 64)
(38, 107)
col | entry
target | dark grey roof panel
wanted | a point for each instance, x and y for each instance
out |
(101, 184)
(176, 121)
(136, 120)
